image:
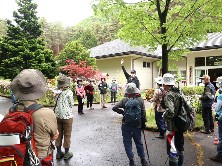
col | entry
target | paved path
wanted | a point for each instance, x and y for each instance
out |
(97, 141)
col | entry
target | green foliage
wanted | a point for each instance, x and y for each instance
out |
(77, 52)
(198, 90)
(174, 25)
(22, 47)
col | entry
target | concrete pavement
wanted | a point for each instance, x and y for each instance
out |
(97, 141)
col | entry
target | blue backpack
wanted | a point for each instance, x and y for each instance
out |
(132, 114)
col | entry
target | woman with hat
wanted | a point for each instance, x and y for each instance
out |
(80, 91)
(113, 89)
(28, 86)
(129, 128)
(158, 96)
(64, 114)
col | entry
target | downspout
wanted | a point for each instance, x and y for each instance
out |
(152, 71)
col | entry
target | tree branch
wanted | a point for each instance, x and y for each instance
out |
(184, 29)
(150, 33)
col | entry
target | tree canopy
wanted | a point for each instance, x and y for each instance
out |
(175, 25)
(22, 47)
(76, 51)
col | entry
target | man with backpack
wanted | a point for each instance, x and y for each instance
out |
(30, 125)
(134, 118)
(131, 77)
(172, 105)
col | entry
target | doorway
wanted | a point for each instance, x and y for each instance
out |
(214, 73)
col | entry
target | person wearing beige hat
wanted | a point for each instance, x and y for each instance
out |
(64, 114)
(28, 86)
(131, 104)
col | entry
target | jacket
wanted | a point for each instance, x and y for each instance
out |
(102, 87)
(130, 79)
(218, 107)
(89, 89)
(172, 104)
(207, 96)
(157, 99)
(120, 107)
(64, 105)
(80, 91)
(45, 127)
(113, 87)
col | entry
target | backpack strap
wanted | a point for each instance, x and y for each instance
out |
(31, 109)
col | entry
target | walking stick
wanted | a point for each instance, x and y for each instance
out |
(146, 146)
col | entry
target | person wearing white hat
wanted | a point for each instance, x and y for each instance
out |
(172, 104)
(159, 93)
(113, 89)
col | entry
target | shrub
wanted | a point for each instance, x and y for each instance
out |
(149, 93)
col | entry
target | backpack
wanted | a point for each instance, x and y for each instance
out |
(22, 151)
(185, 118)
(132, 114)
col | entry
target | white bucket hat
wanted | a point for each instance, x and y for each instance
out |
(168, 79)
(159, 80)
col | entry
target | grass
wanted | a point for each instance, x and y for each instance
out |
(151, 123)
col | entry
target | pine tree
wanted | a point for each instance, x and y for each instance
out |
(22, 47)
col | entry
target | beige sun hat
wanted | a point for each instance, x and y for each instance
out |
(63, 81)
(131, 89)
(29, 84)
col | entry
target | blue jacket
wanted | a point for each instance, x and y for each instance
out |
(218, 108)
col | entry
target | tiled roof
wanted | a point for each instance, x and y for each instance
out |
(118, 48)
(214, 41)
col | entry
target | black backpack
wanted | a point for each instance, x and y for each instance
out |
(185, 118)
(132, 114)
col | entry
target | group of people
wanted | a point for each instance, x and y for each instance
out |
(30, 85)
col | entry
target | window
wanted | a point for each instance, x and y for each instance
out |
(199, 61)
(214, 60)
(198, 74)
(183, 74)
(146, 64)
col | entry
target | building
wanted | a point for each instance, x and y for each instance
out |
(204, 58)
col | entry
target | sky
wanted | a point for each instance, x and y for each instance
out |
(68, 12)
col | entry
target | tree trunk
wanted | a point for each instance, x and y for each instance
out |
(164, 59)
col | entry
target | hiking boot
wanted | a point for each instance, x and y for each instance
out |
(160, 137)
(104, 107)
(144, 162)
(60, 155)
(217, 158)
(68, 155)
(131, 163)
(205, 131)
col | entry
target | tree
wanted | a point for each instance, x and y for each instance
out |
(77, 52)
(22, 47)
(80, 70)
(175, 25)
(3, 28)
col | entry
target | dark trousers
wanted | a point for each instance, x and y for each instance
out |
(113, 96)
(132, 132)
(160, 122)
(207, 118)
(89, 100)
(80, 104)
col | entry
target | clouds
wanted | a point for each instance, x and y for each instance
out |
(69, 12)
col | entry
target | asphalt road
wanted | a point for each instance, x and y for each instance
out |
(97, 141)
